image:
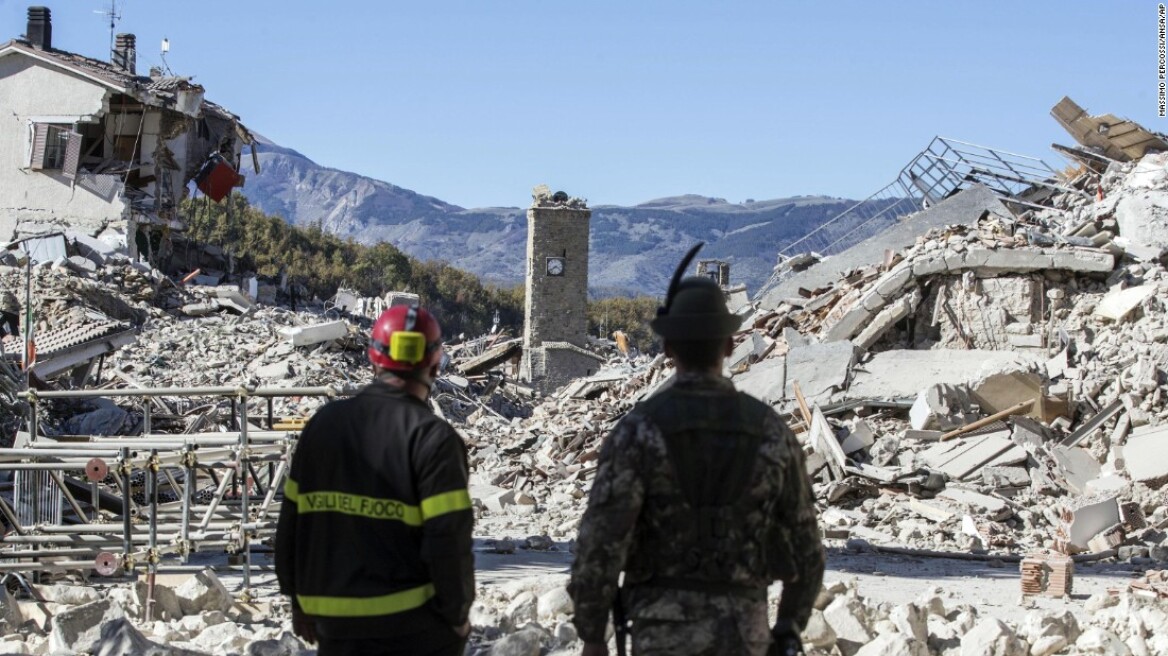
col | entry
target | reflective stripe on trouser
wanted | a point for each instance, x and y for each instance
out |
(375, 508)
(396, 602)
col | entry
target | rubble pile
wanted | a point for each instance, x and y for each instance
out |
(196, 615)
(997, 390)
(978, 394)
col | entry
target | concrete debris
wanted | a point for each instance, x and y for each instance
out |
(820, 369)
(968, 311)
(941, 407)
(203, 592)
(79, 628)
(1146, 456)
(1089, 520)
(1118, 304)
(317, 333)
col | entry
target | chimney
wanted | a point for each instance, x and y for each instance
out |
(125, 54)
(40, 28)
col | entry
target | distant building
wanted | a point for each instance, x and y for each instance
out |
(92, 147)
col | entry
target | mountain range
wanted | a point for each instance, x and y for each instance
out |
(633, 249)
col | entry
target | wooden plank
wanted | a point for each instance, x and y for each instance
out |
(988, 420)
(823, 440)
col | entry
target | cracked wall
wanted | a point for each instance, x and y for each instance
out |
(31, 201)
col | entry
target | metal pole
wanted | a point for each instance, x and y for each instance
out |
(189, 461)
(127, 528)
(152, 557)
(28, 322)
(242, 468)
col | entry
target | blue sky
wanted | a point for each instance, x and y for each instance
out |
(620, 102)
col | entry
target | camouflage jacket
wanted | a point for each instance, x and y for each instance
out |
(636, 494)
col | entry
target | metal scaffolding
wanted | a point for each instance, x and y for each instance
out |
(124, 503)
(939, 171)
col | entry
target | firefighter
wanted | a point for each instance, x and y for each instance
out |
(702, 499)
(374, 538)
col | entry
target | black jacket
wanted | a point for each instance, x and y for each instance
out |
(374, 535)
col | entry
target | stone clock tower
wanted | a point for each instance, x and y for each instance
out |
(556, 312)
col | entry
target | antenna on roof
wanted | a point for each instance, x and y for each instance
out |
(165, 48)
(114, 16)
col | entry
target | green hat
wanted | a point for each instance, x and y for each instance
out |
(695, 308)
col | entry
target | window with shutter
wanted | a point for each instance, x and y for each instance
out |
(39, 141)
(72, 154)
(50, 147)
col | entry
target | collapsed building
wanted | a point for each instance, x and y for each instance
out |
(981, 378)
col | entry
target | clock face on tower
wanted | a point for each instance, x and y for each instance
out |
(555, 266)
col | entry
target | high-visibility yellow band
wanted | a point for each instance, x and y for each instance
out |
(355, 504)
(447, 502)
(291, 490)
(366, 606)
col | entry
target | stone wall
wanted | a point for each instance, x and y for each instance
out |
(552, 366)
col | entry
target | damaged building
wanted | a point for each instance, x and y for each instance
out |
(981, 382)
(93, 148)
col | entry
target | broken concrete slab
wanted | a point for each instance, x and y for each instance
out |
(274, 371)
(962, 457)
(1077, 466)
(1118, 304)
(317, 333)
(1146, 456)
(820, 369)
(860, 438)
(852, 322)
(69, 595)
(941, 407)
(10, 615)
(1005, 477)
(1090, 520)
(932, 510)
(78, 629)
(886, 319)
(119, 637)
(847, 618)
(903, 373)
(203, 592)
(232, 297)
(995, 509)
(1143, 218)
(765, 380)
(794, 337)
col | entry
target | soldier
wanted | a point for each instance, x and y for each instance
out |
(702, 500)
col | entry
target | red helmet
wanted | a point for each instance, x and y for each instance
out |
(405, 338)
